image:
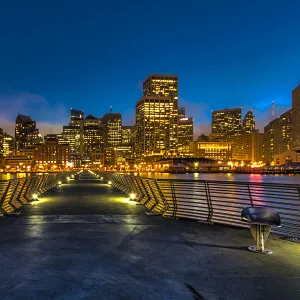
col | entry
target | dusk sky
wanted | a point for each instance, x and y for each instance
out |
(91, 55)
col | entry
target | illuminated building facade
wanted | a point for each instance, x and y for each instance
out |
(109, 156)
(76, 117)
(226, 121)
(19, 160)
(165, 86)
(24, 127)
(8, 144)
(112, 129)
(125, 150)
(157, 85)
(72, 135)
(185, 131)
(296, 118)
(33, 138)
(51, 155)
(278, 136)
(247, 146)
(257, 146)
(249, 122)
(154, 126)
(221, 151)
(92, 134)
(127, 135)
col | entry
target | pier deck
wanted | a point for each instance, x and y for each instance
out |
(85, 240)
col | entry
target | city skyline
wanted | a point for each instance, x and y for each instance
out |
(96, 56)
(7, 118)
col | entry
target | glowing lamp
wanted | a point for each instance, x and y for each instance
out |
(109, 182)
(34, 196)
(59, 183)
(132, 196)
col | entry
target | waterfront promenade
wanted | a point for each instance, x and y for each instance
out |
(86, 240)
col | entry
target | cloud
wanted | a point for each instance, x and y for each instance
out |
(48, 117)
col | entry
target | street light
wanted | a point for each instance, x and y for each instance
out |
(132, 196)
(35, 196)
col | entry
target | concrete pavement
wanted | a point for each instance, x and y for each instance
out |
(85, 240)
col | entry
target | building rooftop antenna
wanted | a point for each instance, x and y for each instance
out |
(273, 110)
(110, 109)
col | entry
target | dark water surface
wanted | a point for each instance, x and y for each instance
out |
(288, 179)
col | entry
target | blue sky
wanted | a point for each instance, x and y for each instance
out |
(95, 54)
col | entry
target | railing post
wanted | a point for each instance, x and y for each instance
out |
(250, 196)
(4, 187)
(3, 198)
(173, 198)
(147, 193)
(162, 196)
(209, 203)
(20, 198)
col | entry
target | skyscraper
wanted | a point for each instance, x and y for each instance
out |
(296, 118)
(157, 85)
(226, 121)
(93, 134)
(8, 144)
(278, 136)
(71, 134)
(25, 128)
(185, 131)
(157, 116)
(76, 117)
(249, 122)
(112, 129)
(154, 126)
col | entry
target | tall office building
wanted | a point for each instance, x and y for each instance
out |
(185, 131)
(8, 144)
(112, 129)
(33, 139)
(25, 128)
(92, 134)
(157, 116)
(278, 136)
(249, 122)
(124, 152)
(71, 134)
(226, 121)
(127, 135)
(296, 119)
(76, 117)
(154, 126)
(157, 85)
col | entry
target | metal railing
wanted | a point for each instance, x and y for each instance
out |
(213, 201)
(16, 192)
